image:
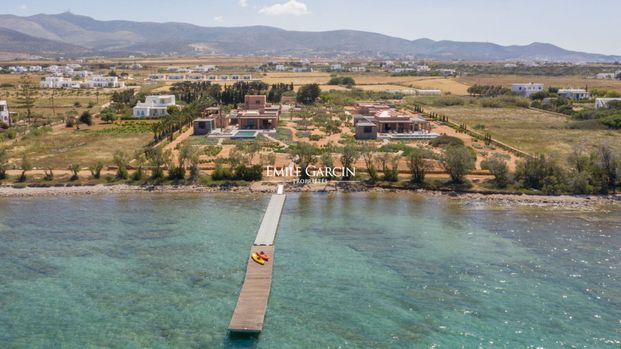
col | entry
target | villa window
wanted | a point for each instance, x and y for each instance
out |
(368, 129)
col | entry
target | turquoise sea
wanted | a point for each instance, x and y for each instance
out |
(357, 270)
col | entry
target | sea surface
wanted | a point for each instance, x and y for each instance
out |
(364, 270)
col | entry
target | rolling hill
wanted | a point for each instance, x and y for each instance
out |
(79, 35)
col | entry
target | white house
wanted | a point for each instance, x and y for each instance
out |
(510, 65)
(301, 69)
(605, 76)
(280, 67)
(4, 113)
(336, 67)
(601, 103)
(447, 72)
(422, 68)
(195, 77)
(52, 69)
(403, 70)
(99, 81)
(154, 106)
(358, 69)
(204, 68)
(157, 77)
(35, 69)
(176, 77)
(58, 82)
(527, 89)
(574, 93)
(78, 73)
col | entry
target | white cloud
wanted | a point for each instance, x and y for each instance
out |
(243, 3)
(218, 19)
(23, 7)
(291, 7)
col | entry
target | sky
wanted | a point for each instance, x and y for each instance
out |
(589, 26)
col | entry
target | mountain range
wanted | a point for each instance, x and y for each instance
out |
(71, 35)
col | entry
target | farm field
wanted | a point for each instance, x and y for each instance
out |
(556, 81)
(60, 147)
(532, 131)
(48, 102)
(371, 81)
(295, 78)
(379, 87)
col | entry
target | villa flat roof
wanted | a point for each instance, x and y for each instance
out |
(396, 121)
(576, 90)
(364, 123)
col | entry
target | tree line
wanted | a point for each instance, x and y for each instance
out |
(234, 94)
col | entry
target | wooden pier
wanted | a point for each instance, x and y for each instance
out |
(251, 306)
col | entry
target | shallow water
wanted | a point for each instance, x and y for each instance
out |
(352, 271)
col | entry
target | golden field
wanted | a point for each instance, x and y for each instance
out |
(532, 131)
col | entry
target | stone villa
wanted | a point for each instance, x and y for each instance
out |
(373, 120)
(257, 114)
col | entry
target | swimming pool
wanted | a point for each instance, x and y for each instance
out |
(408, 136)
(245, 134)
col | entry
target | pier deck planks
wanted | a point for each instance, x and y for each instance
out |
(251, 307)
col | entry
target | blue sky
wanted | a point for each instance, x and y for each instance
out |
(590, 26)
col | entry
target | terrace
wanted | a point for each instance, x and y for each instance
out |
(392, 124)
(258, 114)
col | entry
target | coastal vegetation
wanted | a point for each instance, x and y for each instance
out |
(473, 114)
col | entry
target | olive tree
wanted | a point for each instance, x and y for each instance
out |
(349, 155)
(304, 155)
(418, 164)
(458, 161)
(498, 168)
(370, 160)
(4, 163)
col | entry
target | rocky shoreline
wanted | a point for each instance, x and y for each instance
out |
(568, 201)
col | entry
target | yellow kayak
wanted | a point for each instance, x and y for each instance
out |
(255, 257)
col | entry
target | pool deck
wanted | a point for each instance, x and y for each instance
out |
(249, 313)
